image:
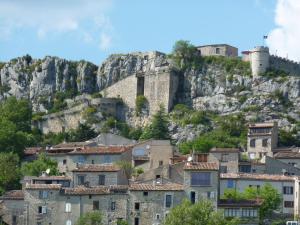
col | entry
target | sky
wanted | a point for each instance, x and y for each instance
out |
(94, 29)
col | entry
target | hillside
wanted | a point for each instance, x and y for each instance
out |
(217, 85)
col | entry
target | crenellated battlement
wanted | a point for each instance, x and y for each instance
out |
(289, 66)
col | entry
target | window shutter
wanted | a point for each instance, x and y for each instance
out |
(44, 209)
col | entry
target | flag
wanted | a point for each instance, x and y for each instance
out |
(265, 36)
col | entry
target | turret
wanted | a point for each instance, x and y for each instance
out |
(259, 59)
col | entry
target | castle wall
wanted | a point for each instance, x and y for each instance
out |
(279, 63)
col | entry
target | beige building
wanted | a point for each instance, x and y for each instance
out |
(262, 139)
(218, 50)
(285, 185)
(152, 154)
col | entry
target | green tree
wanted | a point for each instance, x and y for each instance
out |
(18, 112)
(90, 218)
(83, 132)
(158, 129)
(36, 167)
(270, 196)
(185, 55)
(9, 172)
(201, 213)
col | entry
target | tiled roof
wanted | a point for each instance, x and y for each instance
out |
(32, 150)
(43, 186)
(102, 150)
(96, 168)
(251, 176)
(51, 178)
(226, 150)
(287, 155)
(71, 144)
(261, 125)
(13, 195)
(82, 190)
(240, 203)
(156, 187)
(200, 166)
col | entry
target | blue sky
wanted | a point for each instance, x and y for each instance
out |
(93, 29)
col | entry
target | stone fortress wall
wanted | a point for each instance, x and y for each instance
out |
(289, 66)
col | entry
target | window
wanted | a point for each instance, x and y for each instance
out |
(137, 206)
(245, 168)
(95, 205)
(223, 169)
(107, 159)
(81, 159)
(145, 193)
(113, 206)
(68, 207)
(157, 216)
(230, 183)
(93, 162)
(193, 197)
(42, 209)
(168, 202)
(43, 194)
(210, 195)
(265, 142)
(136, 221)
(252, 143)
(224, 157)
(64, 162)
(257, 187)
(68, 222)
(217, 50)
(14, 220)
(101, 179)
(288, 204)
(200, 178)
(231, 212)
(288, 190)
(80, 179)
(161, 163)
(249, 213)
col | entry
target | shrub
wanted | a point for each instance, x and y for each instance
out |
(140, 103)
(97, 95)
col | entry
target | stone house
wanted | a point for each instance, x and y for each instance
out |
(227, 159)
(218, 50)
(152, 154)
(262, 139)
(289, 156)
(285, 186)
(68, 159)
(12, 207)
(98, 174)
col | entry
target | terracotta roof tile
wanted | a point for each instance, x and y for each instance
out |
(32, 150)
(240, 203)
(287, 155)
(229, 150)
(71, 144)
(156, 187)
(96, 168)
(249, 176)
(102, 150)
(201, 166)
(51, 178)
(82, 190)
(43, 186)
(13, 195)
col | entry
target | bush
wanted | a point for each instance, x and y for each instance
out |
(97, 95)
(140, 103)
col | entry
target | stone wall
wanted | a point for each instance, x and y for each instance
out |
(289, 66)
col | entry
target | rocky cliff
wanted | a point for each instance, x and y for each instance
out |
(216, 85)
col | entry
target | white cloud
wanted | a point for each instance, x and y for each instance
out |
(284, 40)
(86, 18)
(105, 41)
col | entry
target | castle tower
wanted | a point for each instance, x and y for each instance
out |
(259, 59)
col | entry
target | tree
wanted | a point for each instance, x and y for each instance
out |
(127, 167)
(201, 213)
(9, 171)
(90, 218)
(36, 167)
(270, 196)
(158, 129)
(184, 54)
(83, 133)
